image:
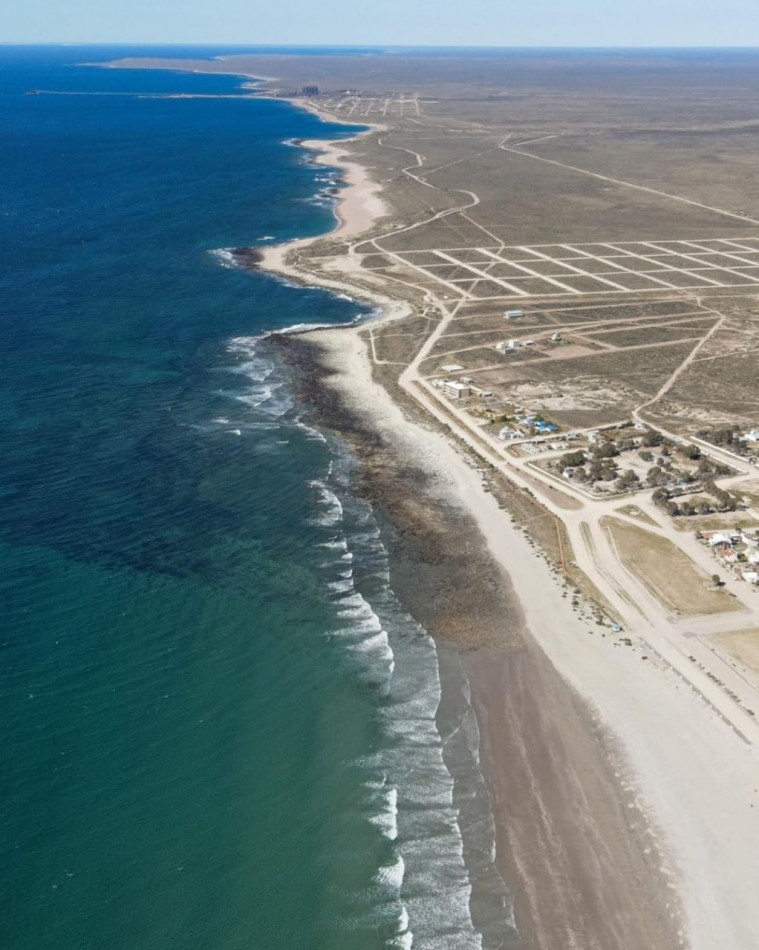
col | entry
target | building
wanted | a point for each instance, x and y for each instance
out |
(751, 577)
(513, 314)
(456, 389)
(508, 435)
(718, 539)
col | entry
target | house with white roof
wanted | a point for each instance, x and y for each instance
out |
(717, 539)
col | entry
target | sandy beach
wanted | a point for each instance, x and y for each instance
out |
(624, 808)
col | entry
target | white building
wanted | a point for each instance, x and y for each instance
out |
(455, 389)
(717, 539)
(509, 435)
(513, 314)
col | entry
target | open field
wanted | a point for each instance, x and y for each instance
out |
(743, 647)
(666, 571)
(481, 272)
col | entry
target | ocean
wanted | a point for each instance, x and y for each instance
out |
(220, 728)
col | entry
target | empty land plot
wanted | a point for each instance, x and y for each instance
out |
(722, 390)
(516, 270)
(742, 646)
(474, 359)
(625, 311)
(591, 390)
(646, 367)
(670, 161)
(534, 200)
(462, 328)
(666, 571)
(637, 336)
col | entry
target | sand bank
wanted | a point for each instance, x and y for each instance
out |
(358, 206)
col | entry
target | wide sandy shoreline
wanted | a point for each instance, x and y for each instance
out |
(546, 759)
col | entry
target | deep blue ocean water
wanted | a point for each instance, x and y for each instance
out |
(218, 724)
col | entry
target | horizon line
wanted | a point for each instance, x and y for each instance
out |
(362, 46)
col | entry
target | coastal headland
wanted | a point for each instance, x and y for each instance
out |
(555, 416)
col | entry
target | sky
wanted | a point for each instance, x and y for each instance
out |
(385, 22)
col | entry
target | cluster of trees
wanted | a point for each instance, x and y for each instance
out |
(720, 500)
(598, 464)
(627, 482)
(729, 437)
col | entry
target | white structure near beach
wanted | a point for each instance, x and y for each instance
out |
(508, 435)
(456, 389)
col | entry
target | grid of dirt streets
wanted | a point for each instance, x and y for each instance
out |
(482, 273)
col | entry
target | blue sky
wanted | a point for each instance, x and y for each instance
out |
(385, 22)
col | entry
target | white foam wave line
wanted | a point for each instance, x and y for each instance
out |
(414, 802)
(329, 499)
(311, 433)
(377, 644)
(366, 624)
(387, 819)
(258, 368)
(431, 827)
(404, 941)
(224, 257)
(391, 875)
(340, 587)
(337, 545)
(255, 399)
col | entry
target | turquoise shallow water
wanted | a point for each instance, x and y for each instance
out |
(219, 725)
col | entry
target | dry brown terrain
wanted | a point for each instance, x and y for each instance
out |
(743, 647)
(668, 573)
